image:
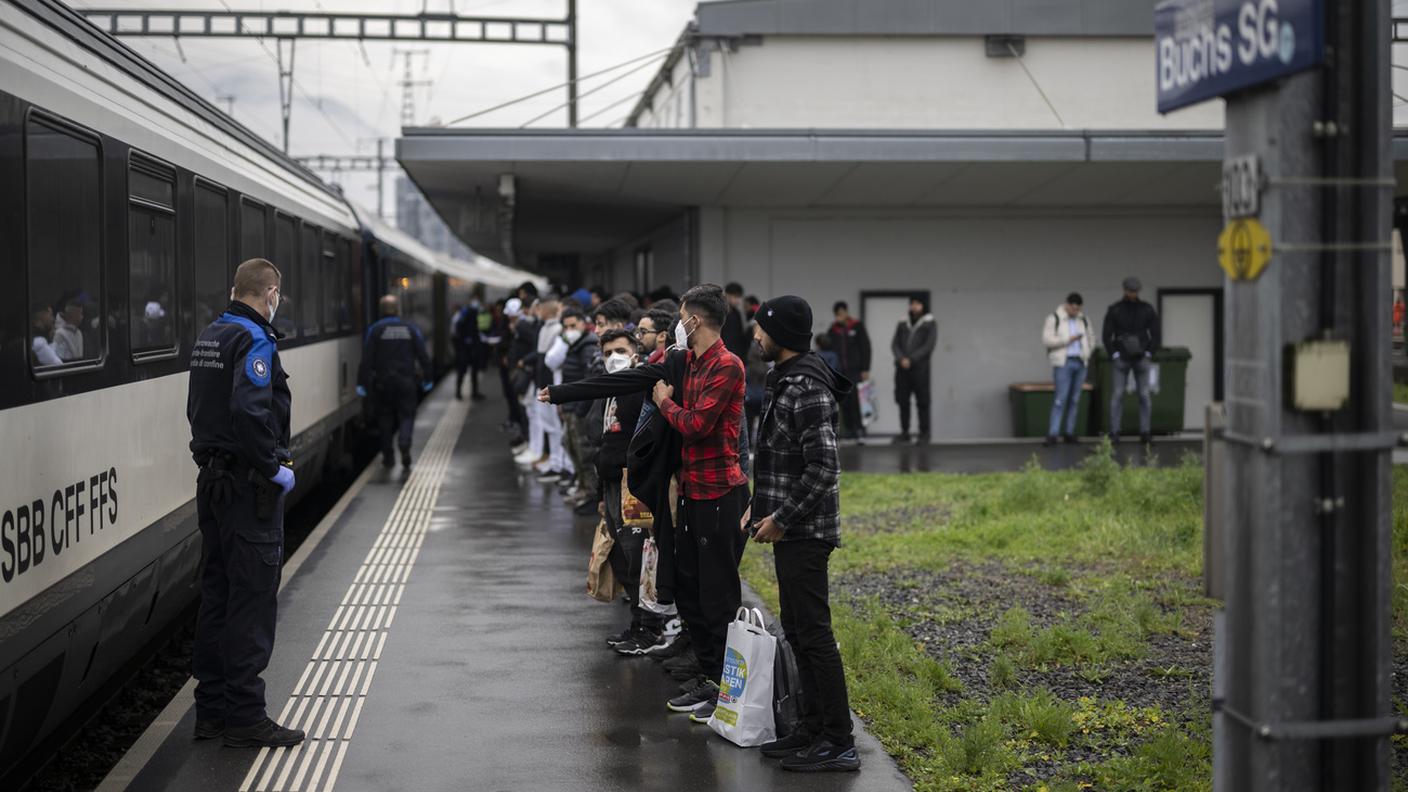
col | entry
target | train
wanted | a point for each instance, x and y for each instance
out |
(129, 200)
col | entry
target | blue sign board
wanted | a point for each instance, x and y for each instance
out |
(1209, 48)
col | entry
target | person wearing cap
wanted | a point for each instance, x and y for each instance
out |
(1068, 347)
(1132, 335)
(912, 347)
(797, 507)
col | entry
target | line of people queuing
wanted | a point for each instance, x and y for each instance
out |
(678, 402)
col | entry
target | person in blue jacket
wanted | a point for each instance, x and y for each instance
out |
(238, 408)
(394, 367)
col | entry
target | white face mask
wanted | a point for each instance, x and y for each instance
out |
(617, 361)
(273, 307)
(681, 334)
(572, 336)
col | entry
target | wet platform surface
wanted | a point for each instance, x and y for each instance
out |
(439, 638)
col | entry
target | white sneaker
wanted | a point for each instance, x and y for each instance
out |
(518, 449)
(526, 458)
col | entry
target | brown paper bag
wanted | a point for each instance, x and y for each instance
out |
(633, 512)
(601, 581)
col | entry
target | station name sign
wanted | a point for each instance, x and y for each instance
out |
(1209, 48)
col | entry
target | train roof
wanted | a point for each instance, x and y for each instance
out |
(103, 83)
(478, 270)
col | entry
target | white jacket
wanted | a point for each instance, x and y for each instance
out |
(68, 340)
(1056, 335)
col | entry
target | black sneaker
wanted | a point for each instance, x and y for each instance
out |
(550, 475)
(405, 457)
(585, 508)
(639, 641)
(1049, 441)
(682, 661)
(264, 734)
(823, 756)
(209, 729)
(1114, 438)
(1146, 438)
(1069, 439)
(656, 646)
(616, 640)
(791, 744)
(706, 712)
(703, 695)
(901, 440)
(673, 649)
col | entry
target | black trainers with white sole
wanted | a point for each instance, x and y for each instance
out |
(640, 640)
(823, 756)
(703, 694)
(787, 746)
(264, 734)
(619, 638)
(706, 712)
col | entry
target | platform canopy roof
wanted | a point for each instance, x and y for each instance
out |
(588, 191)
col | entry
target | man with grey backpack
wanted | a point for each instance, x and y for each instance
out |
(1131, 335)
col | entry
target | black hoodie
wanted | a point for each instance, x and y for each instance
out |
(798, 469)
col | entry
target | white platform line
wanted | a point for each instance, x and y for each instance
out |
(357, 631)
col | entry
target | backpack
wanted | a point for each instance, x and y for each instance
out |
(786, 690)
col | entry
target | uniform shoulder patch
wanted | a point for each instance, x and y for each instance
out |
(258, 370)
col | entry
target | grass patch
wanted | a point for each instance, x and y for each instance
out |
(1400, 393)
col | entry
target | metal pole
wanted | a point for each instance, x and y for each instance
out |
(380, 179)
(1305, 679)
(572, 63)
(285, 81)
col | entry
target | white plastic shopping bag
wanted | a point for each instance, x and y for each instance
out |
(744, 712)
(869, 410)
(650, 562)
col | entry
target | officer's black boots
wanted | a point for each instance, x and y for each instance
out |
(265, 734)
(209, 730)
(406, 458)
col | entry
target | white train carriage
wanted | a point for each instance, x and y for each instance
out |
(128, 201)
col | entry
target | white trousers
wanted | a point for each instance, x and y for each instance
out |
(550, 424)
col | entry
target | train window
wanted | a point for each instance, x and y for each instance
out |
(309, 277)
(212, 234)
(151, 251)
(285, 258)
(332, 283)
(254, 241)
(353, 287)
(63, 206)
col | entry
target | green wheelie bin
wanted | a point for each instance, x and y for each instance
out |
(1031, 408)
(1167, 417)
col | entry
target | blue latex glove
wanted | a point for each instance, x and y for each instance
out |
(427, 386)
(361, 391)
(284, 478)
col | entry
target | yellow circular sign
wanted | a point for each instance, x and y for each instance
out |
(1244, 249)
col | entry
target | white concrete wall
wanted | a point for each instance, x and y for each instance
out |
(926, 83)
(994, 275)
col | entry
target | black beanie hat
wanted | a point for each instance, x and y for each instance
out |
(788, 320)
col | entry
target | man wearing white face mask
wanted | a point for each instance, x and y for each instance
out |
(581, 358)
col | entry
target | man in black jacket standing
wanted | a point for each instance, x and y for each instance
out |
(797, 504)
(852, 346)
(583, 359)
(1131, 335)
(733, 333)
(913, 346)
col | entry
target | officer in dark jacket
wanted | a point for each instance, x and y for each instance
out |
(1131, 335)
(238, 408)
(468, 342)
(392, 352)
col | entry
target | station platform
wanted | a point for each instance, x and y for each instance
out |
(436, 635)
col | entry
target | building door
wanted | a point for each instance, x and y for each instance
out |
(1192, 318)
(882, 312)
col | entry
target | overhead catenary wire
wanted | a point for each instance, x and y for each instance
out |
(628, 97)
(616, 79)
(558, 87)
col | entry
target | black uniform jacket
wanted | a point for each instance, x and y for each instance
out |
(393, 349)
(238, 403)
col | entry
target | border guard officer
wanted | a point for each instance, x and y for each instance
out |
(393, 350)
(238, 407)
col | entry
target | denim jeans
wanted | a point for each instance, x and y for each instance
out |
(1069, 379)
(1141, 370)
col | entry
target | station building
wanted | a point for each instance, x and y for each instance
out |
(993, 155)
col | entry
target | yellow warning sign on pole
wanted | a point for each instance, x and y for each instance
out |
(1244, 249)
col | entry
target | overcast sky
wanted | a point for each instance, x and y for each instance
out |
(348, 95)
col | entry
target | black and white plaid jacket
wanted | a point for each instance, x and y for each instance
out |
(798, 471)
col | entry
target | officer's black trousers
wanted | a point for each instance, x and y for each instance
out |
(708, 547)
(241, 561)
(802, 592)
(913, 382)
(396, 414)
